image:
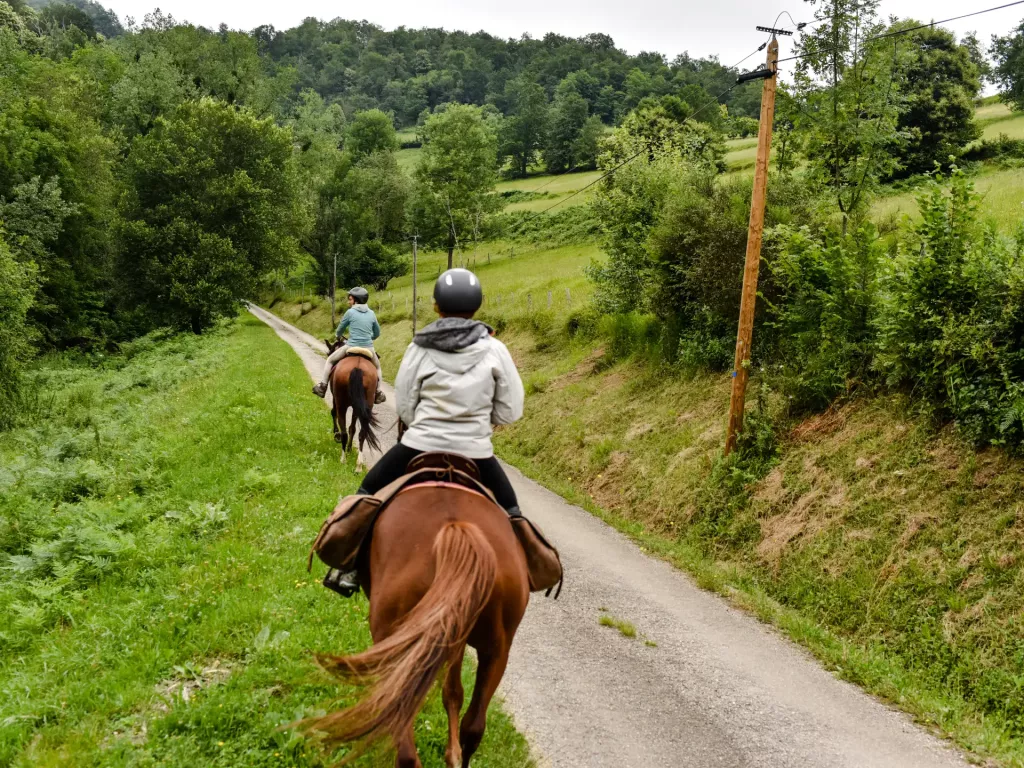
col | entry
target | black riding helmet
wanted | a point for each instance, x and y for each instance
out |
(361, 295)
(458, 292)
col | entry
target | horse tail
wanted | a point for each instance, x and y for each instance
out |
(400, 669)
(362, 410)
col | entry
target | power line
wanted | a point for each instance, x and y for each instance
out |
(905, 31)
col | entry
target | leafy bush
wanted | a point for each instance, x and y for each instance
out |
(823, 317)
(952, 318)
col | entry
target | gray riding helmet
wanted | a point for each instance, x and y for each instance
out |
(361, 295)
(458, 292)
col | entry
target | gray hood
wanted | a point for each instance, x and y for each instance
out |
(361, 307)
(451, 334)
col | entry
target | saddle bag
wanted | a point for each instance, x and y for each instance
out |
(343, 532)
(542, 560)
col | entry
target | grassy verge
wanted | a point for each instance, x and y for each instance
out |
(156, 520)
(890, 550)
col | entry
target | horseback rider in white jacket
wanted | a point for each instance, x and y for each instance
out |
(455, 383)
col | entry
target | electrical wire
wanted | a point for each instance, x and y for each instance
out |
(904, 31)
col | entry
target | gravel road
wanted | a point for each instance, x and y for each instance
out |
(714, 688)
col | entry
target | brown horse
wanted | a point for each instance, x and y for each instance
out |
(353, 385)
(426, 605)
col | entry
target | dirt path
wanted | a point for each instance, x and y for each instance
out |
(718, 689)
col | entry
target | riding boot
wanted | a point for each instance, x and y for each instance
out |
(320, 390)
(345, 584)
(379, 397)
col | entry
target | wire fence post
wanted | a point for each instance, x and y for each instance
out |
(549, 299)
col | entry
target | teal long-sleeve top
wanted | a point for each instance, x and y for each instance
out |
(362, 326)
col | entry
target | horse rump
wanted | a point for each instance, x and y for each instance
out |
(362, 410)
(398, 672)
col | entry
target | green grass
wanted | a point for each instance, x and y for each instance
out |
(181, 485)
(408, 158)
(1002, 201)
(550, 190)
(624, 628)
(741, 154)
(996, 118)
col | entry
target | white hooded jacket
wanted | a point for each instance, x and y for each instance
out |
(450, 400)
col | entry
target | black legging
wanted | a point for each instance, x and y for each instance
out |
(393, 464)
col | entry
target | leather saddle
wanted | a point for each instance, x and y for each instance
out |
(346, 533)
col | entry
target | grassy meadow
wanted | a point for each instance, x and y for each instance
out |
(156, 510)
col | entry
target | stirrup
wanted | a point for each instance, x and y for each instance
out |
(345, 584)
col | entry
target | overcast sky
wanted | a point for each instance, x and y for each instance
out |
(702, 27)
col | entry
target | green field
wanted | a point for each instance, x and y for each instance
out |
(741, 154)
(516, 282)
(996, 119)
(158, 509)
(408, 158)
(551, 190)
(1002, 203)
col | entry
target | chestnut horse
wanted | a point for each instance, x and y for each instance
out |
(427, 603)
(353, 385)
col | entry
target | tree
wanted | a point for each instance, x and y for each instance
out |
(939, 84)
(17, 288)
(568, 117)
(1008, 72)
(370, 132)
(208, 211)
(150, 87)
(56, 168)
(850, 97)
(523, 130)
(587, 146)
(456, 174)
(653, 129)
(977, 54)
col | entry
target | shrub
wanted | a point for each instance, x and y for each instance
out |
(952, 318)
(822, 319)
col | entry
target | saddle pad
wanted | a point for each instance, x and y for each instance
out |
(361, 351)
(443, 484)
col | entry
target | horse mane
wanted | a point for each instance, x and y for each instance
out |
(398, 672)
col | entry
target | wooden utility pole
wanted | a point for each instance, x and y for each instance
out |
(414, 284)
(741, 369)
